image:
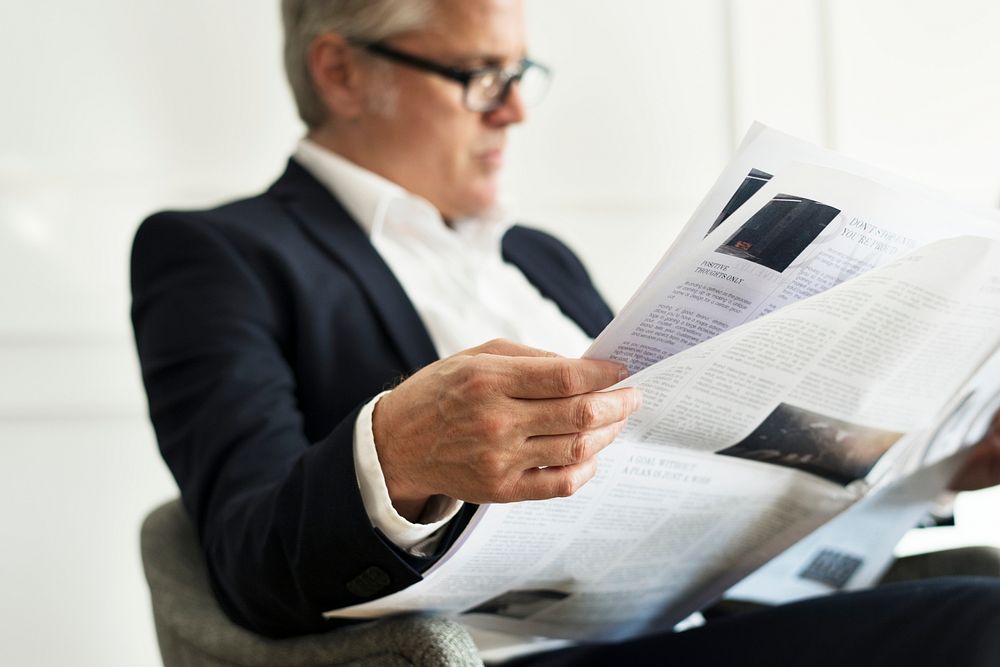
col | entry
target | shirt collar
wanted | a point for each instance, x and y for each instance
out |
(383, 208)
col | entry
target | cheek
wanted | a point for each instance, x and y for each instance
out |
(456, 145)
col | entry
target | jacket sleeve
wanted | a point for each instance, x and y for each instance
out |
(280, 519)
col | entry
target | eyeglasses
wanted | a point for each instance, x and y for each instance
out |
(485, 89)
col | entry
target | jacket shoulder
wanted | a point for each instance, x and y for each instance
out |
(250, 215)
(558, 274)
(529, 242)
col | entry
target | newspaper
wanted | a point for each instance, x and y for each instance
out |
(855, 549)
(796, 351)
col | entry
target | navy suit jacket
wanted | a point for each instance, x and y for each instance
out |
(262, 327)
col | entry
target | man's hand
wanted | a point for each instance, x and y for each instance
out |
(982, 469)
(498, 423)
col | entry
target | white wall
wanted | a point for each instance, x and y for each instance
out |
(114, 108)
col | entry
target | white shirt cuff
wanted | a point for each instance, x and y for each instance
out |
(417, 538)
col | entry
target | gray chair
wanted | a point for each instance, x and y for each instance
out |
(194, 632)
(974, 561)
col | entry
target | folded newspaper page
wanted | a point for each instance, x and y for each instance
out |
(855, 549)
(795, 361)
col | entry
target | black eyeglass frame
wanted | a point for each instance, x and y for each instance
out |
(458, 74)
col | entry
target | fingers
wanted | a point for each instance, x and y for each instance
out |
(521, 371)
(553, 377)
(553, 482)
(560, 416)
(499, 423)
(982, 468)
(569, 449)
(551, 466)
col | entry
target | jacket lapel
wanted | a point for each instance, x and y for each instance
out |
(577, 300)
(326, 221)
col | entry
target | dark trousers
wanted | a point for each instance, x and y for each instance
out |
(947, 621)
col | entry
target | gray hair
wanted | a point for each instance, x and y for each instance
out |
(363, 20)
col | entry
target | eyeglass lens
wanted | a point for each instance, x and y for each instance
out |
(489, 90)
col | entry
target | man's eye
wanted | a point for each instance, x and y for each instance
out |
(487, 79)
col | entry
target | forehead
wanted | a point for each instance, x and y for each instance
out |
(474, 28)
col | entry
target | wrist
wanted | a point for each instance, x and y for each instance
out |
(408, 501)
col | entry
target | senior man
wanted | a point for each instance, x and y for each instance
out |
(269, 330)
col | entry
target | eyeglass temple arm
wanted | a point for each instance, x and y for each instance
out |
(417, 62)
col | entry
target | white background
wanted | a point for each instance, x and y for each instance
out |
(110, 109)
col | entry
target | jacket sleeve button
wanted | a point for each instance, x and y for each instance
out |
(372, 580)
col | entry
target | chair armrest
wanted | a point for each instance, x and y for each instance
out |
(193, 630)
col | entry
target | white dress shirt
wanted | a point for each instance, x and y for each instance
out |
(460, 286)
(465, 294)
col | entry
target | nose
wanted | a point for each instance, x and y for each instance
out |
(511, 112)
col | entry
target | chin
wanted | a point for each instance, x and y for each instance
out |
(466, 209)
(482, 195)
(487, 194)
(480, 205)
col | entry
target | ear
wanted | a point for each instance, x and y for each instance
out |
(337, 75)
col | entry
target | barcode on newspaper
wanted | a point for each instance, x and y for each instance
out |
(833, 568)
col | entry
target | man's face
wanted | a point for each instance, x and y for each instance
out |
(429, 143)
